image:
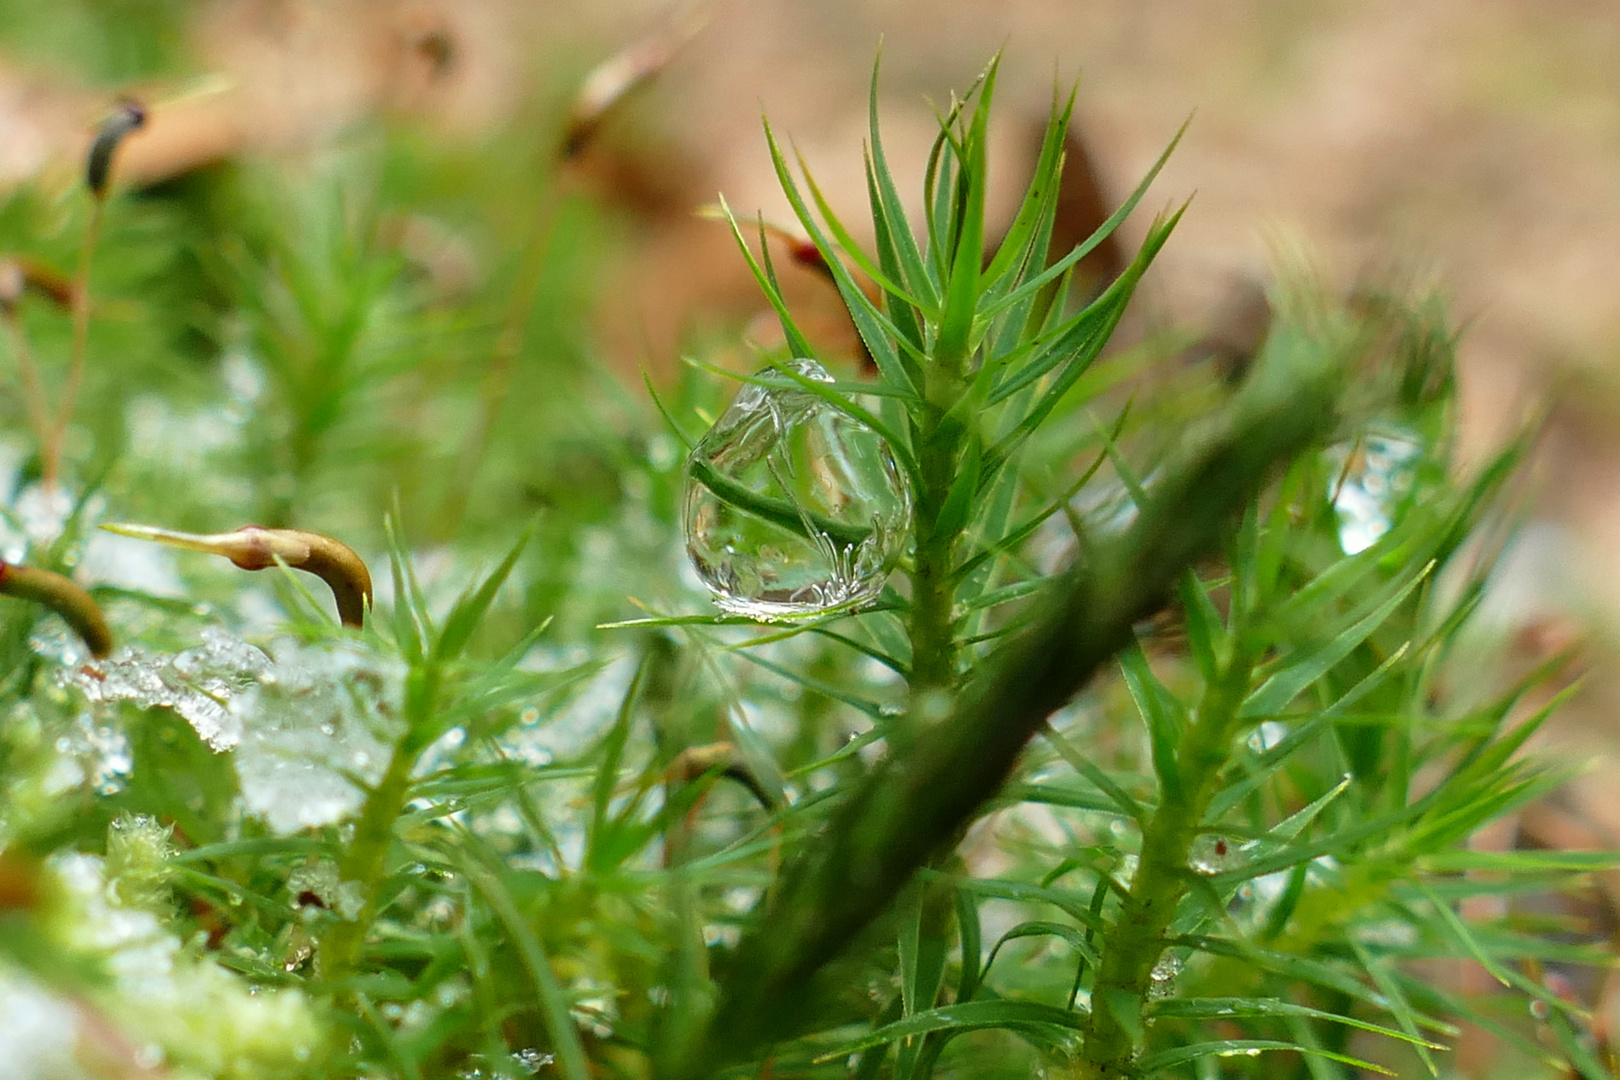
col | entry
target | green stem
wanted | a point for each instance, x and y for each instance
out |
(1133, 945)
(933, 589)
(366, 861)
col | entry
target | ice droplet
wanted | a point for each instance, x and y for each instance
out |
(793, 507)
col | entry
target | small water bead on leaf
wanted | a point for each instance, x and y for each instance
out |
(1211, 854)
(1163, 977)
(530, 1061)
(1378, 473)
(793, 507)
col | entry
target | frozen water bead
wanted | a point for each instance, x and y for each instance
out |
(793, 507)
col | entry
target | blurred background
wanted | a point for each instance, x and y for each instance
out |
(1468, 147)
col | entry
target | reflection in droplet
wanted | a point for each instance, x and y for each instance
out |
(1378, 473)
(793, 507)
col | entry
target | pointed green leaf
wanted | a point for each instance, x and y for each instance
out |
(469, 611)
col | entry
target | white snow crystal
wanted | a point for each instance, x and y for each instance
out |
(321, 715)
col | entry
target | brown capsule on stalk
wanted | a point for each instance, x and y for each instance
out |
(614, 79)
(722, 759)
(127, 117)
(62, 596)
(253, 547)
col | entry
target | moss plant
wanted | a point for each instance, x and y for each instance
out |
(1159, 754)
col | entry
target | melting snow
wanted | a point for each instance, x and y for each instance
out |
(303, 722)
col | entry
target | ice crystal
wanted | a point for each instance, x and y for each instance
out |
(1162, 980)
(186, 1009)
(320, 715)
(198, 683)
(43, 512)
(303, 723)
(1377, 473)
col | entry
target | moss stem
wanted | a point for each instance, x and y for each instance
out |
(933, 588)
(1132, 947)
(365, 863)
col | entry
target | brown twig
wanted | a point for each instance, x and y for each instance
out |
(62, 596)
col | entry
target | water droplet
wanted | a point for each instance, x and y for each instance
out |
(1164, 977)
(1212, 854)
(793, 507)
(1378, 472)
(1540, 1010)
(531, 1060)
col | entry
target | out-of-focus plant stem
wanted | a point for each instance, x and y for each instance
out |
(28, 373)
(52, 450)
(503, 358)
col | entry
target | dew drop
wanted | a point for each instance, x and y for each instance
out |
(531, 1061)
(1212, 854)
(1164, 977)
(792, 507)
(1377, 473)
